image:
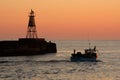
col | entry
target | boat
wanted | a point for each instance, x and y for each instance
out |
(90, 54)
(30, 45)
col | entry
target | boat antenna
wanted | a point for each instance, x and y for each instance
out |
(89, 41)
(89, 44)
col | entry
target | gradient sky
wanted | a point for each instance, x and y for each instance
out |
(62, 19)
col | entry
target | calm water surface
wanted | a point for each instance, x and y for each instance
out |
(58, 66)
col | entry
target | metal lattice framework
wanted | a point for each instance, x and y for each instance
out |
(31, 30)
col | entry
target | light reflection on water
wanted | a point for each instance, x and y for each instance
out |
(58, 66)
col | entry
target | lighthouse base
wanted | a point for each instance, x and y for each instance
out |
(26, 47)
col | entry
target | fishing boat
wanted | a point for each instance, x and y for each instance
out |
(90, 54)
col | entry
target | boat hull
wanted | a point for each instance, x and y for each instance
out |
(82, 59)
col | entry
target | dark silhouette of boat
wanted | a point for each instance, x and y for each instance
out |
(89, 55)
(31, 45)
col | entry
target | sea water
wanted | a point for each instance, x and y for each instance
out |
(58, 66)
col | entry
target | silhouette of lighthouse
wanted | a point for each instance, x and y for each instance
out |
(31, 30)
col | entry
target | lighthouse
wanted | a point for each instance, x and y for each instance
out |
(31, 30)
(28, 46)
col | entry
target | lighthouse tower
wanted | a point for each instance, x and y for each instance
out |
(31, 30)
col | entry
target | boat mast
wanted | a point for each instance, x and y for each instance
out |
(89, 41)
(89, 44)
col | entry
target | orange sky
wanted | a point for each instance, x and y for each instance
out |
(62, 19)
